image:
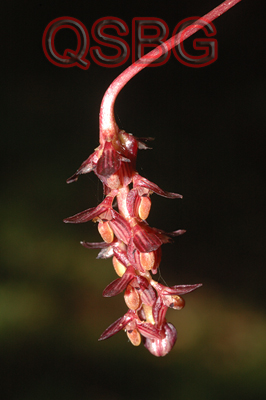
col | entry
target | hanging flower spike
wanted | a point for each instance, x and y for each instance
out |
(134, 246)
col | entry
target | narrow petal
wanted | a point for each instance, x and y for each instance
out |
(166, 237)
(84, 216)
(176, 233)
(180, 289)
(142, 142)
(159, 311)
(87, 166)
(117, 326)
(126, 172)
(91, 213)
(148, 330)
(130, 201)
(95, 245)
(143, 182)
(118, 285)
(107, 248)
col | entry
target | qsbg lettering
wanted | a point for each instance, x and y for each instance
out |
(112, 50)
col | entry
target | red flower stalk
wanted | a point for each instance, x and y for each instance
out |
(134, 246)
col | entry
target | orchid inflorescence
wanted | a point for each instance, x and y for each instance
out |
(134, 246)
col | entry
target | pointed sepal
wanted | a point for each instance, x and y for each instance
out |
(117, 326)
(91, 213)
(139, 181)
(86, 167)
(120, 284)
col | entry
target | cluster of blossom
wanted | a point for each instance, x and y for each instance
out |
(134, 246)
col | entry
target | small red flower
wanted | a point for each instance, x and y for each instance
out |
(131, 321)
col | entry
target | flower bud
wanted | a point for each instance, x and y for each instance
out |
(131, 297)
(119, 267)
(106, 231)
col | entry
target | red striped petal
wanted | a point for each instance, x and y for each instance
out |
(120, 227)
(139, 181)
(126, 172)
(84, 216)
(91, 213)
(109, 162)
(130, 201)
(118, 285)
(117, 326)
(148, 330)
(159, 311)
(180, 289)
(145, 239)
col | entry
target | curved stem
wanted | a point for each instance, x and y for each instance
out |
(108, 127)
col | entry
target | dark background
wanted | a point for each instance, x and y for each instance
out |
(209, 126)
